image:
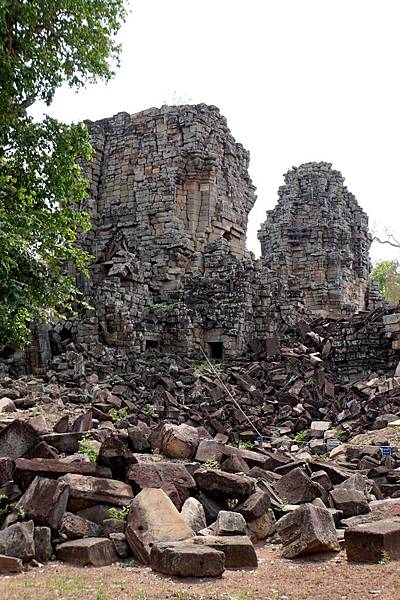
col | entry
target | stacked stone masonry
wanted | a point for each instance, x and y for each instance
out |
(170, 196)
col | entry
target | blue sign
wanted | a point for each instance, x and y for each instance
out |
(386, 450)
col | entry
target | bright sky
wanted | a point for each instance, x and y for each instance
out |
(298, 81)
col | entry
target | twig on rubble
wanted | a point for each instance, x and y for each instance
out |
(215, 373)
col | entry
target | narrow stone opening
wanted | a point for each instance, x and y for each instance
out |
(216, 350)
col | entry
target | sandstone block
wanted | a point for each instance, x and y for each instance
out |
(97, 552)
(373, 541)
(307, 530)
(153, 518)
(238, 549)
(85, 491)
(44, 501)
(186, 559)
(228, 485)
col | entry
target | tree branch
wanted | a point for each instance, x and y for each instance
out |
(395, 243)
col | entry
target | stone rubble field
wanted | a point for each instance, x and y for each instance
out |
(160, 467)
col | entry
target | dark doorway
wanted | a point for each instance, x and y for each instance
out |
(216, 350)
(152, 344)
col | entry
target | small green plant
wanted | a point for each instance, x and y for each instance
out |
(246, 445)
(119, 513)
(232, 503)
(160, 307)
(37, 410)
(204, 368)
(311, 380)
(116, 379)
(101, 593)
(282, 504)
(87, 447)
(212, 463)
(181, 594)
(339, 433)
(385, 558)
(301, 436)
(118, 415)
(149, 409)
(7, 508)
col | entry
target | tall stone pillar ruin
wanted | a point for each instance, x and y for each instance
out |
(315, 242)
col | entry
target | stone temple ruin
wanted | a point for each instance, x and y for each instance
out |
(98, 435)
(170, 199)
(170, 196)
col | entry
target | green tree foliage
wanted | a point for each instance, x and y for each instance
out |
(43, 44)
(387, 274)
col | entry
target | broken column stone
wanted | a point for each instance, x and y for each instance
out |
(43, 547)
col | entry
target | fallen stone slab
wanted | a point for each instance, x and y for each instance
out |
(17, 438)
(238, 549)
(219, 483)
(97, 552)
(17, 540)
(350, 501)
(373, 542)
(307, 530)
(229, 523)
(153, 518)
(44, 501)
(47, 466)
(187, 559)
(67, 443)
(75, 527)
(254, 506)
(158, 475)
(10, 564)
(85, 491)
(194, 515)
(297, 487)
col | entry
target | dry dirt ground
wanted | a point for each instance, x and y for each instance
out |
(326, 578)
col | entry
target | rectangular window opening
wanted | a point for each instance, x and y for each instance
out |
(216, 350)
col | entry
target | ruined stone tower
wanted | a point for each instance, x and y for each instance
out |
(315, 242)
(169, 199)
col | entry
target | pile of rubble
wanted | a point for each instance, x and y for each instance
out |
(174, 463)
(187, 504)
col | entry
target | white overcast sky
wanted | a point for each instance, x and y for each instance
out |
(298, 80)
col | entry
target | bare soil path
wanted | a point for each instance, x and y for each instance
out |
(326, 578)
